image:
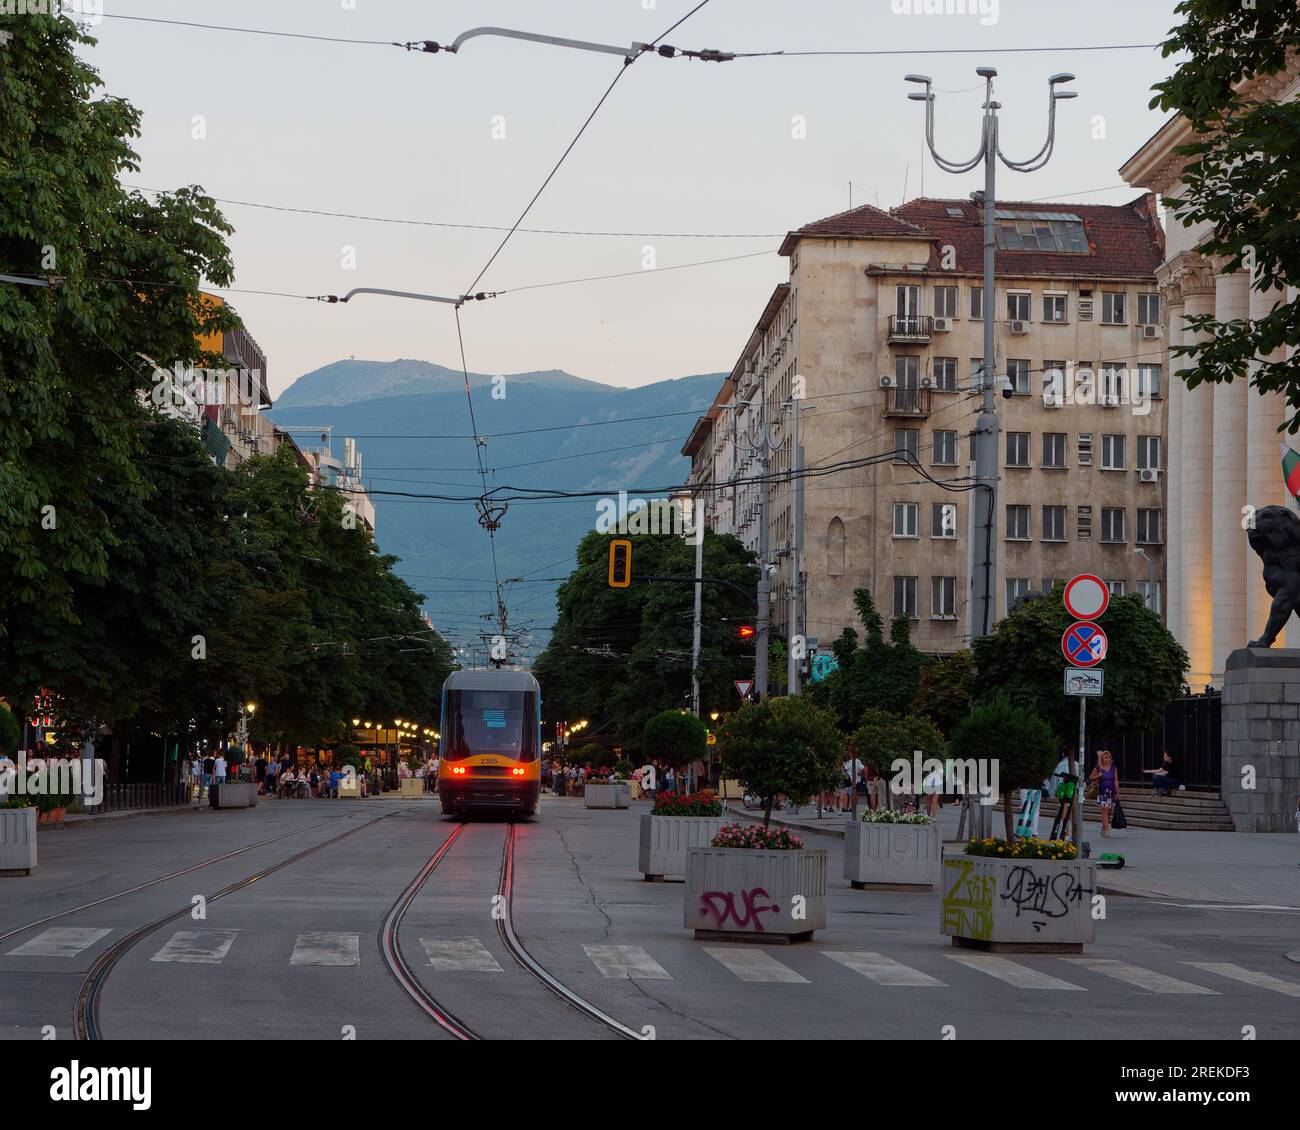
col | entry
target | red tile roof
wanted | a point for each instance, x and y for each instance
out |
(1125, 240)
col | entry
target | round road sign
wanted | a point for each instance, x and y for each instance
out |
(1084, 644)
(1086, 597)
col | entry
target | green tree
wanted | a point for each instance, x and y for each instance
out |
(946, 690)
(782, 747)
(1242, 180)
(881, 674)
(10, 730)
(676, 738)
(1022, 659)
(1016, 739)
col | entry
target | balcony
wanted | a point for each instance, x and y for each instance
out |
(913, 403)
(913, 328)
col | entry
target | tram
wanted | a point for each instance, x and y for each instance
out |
(491, 745)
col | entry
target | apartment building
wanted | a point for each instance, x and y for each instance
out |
(878, 337)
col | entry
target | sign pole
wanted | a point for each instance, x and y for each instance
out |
(1078, 771)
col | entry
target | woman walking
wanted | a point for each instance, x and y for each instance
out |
(1107, 787)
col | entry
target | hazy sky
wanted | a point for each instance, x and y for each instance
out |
(680, 146)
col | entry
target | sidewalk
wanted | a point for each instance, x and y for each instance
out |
(1236, 868)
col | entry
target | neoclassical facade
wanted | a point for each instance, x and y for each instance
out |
(1224, 440)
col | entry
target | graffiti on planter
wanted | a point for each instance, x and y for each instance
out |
(968, 901)
(1052, 896)
(722, 905)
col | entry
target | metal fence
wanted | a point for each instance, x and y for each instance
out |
(1191, 731)
(122, 796)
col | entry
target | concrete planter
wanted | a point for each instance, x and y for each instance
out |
(17, 841)
(665, 840)
(410, 786)
(600, 796)
(622, 794)
(233, 794)
(898, 857)
(1019, 905)
(350, 788)
(755, 895)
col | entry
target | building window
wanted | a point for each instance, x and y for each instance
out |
(1053, 523)
(1148, 453)
(1018, 375)
(1017, 587)
(1148, 310)
(945, 448)
(836, 544)
(945, 301)
(905, 597)
(943, 520)
(905, 519)
(1017, 523)
(1148, 382)
(907, 301)
(1017, 449)
(1061, 232)
(977, 303)
(1085, 449)
(1116, 588)
(1050, 583)
(1018, 306)
(1112, 385)
(1112, 524)
(1054, 449)
(945, 374)
(1150, 594)
(1148, 528)
(1054, 307)
(906, 441)
(1112, 453)
(1112, 308)
(943, 598)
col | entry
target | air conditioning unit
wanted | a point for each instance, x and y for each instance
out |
(1149, 474)
(927, 382)
(1019, 327)
(1150, 333)
(942, 325)
(886, 382)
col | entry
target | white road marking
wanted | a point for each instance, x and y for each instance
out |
(60, 941)
(1140, 978)
(1230, 906)
(1013, 973)
(467, 954)
(881, 969)
(627, 961)
(1248, 976)
(754, 965)
(199, 947)
(327, 949)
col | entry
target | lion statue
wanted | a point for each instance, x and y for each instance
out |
(1275, 536)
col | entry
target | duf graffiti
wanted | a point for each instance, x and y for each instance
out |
(722, 905)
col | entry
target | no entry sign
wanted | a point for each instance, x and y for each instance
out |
(1086, 597)
(1084, 644)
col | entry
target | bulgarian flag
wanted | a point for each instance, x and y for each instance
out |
(1291, 471)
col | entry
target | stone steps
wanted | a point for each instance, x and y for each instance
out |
(1199, 810)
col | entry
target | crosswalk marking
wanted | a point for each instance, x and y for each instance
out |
(754, 965)
(1140, 978)
(465, 954)
(881, 969)
(326, 949)
(1022, 976)
(627, 961)
(60, 941)
(1248, 976)
(198, 947)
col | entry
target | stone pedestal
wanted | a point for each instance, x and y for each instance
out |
(1261, 732)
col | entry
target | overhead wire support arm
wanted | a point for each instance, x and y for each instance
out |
(708, 55)
(479, 297)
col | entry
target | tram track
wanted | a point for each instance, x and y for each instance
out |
(86, 1021)
(394, 959)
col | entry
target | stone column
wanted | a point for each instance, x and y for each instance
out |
(1261, 739)
(1172, 300)
(1228, 487)
(1264, 484)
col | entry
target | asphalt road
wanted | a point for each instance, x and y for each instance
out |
(296, 953)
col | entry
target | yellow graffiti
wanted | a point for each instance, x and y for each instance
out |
(968, 902)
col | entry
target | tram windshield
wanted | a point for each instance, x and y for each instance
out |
(501, 722)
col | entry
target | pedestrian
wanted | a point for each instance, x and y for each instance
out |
(1060, 786)
(1107, 778)
(209, 768)
(268, 786)
(219, 768)
(850, 770)
(1166, 777)
(933, 789)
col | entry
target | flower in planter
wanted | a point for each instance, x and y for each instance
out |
(1024, 847)
(692, 804)
(756, 836)
(888, 816)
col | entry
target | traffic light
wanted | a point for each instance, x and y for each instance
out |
(620, 563)
(745, 631)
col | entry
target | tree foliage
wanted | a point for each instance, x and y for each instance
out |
(882, 738)
(1242, 179)
(881, 674)
(946, 690)
(676, 738)
(782, 747)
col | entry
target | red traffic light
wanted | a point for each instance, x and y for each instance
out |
(745, 631)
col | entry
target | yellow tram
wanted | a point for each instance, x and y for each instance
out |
(491, 745)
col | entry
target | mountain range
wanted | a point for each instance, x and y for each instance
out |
(542, 430)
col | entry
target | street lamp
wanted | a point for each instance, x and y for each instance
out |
(1151, 579)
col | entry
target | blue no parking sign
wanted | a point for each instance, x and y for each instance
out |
(1084, 644)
